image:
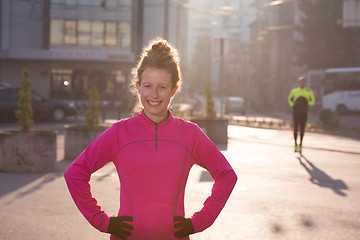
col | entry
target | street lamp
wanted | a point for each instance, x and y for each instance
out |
(221, 48)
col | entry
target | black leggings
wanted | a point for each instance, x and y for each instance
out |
(299, 120)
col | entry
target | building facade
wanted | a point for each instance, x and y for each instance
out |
(70, 45)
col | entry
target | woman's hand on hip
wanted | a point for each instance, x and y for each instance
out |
(119, 228)
(183, 227)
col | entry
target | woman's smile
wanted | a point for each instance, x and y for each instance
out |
(153, 103)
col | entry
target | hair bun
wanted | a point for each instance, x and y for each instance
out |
(160, 46)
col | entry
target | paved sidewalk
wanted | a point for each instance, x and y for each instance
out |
(38, 206)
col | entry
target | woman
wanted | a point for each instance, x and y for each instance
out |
(153, 153)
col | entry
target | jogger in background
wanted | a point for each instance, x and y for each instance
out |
(300, 99)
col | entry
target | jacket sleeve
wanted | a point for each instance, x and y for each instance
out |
(291, 98)
(311, 100)
(207, 155)
(77, 177)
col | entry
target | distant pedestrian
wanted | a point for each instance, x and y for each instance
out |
(153, 153)
(300, 99)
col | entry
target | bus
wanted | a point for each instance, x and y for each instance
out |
(341, 89)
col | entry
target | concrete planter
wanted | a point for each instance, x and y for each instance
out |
(78, 137)
(27, 152)
(215, 129)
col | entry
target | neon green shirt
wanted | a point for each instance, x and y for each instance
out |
(301, 92)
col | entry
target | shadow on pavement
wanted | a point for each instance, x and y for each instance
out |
(11, 182)
(304, 221)
(25, 184)
(322, 179)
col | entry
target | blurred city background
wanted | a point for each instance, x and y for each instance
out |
(253, 49)
(251, 52)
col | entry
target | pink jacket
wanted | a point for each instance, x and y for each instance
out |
(153, 163)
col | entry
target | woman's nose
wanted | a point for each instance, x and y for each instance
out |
(154, 93)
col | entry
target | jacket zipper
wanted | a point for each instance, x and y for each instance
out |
(156, 136)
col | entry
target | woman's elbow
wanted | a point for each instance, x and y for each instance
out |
(67, 174)
(233, 177)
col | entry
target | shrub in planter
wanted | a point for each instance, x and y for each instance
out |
(78, 137)
(92, 114)
(210, 105)
(214, 127)
(25, 112)
(27, 150)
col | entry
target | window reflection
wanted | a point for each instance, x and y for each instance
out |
(75, 84)
(84, 32)
(124, 34)
(70, 32)
(110, 33)
(87, 33)
(97, 38)
(56, 35)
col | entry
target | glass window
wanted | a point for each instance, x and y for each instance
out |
(84, 32)
(36, 97)
(8, 94)
(70, 32)
(84, 2)
(61, 82)
(90, 33)
(97, 2)
(343, 80)
(70, 3)
(56, 31)
(110, 33)
(97, 33)
(56, 3)
(112, 4)
(356, 81)
(124, 34)
(329, 83)
(126, 2)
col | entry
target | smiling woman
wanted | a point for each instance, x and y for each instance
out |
(153, 153)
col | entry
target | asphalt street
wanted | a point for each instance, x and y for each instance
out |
(279, 195)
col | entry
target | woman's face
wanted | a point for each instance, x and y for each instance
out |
(155, 92)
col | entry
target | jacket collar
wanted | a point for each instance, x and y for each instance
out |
(164, 122)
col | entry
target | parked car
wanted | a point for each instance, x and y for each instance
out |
(235, 105)
(44, 108)
(4, 84)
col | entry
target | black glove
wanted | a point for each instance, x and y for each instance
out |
(119, 228)
(184, 227)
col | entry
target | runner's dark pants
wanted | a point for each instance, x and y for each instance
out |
(299, 120)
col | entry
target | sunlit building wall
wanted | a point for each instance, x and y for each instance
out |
(351, 13)
(228, 20)
(272, 54)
